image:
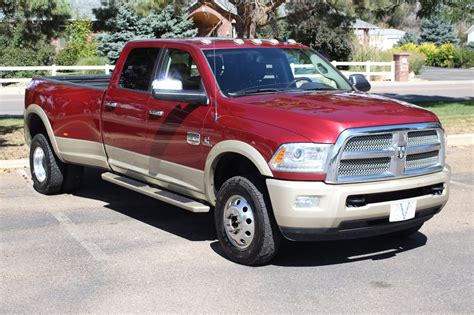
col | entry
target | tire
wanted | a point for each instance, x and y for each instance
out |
(245, 228)
(51, 176)
(407, 233)
(46, 169)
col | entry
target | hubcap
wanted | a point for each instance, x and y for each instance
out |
(239, 221)
(39, 164)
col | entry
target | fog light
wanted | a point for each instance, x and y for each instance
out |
(306, 202)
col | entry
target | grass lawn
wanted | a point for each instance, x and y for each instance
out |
(456, 117)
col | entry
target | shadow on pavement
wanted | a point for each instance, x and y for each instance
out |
(200, 227)
(416, 98)
(191, 226)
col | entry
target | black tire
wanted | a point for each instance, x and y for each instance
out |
(266, 239)
(53, 167)
(407, 232)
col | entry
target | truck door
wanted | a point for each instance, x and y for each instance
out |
(174, 133)
(125, 113)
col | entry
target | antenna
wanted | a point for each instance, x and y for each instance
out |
(216, 115)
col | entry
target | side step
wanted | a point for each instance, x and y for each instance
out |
(162, 195)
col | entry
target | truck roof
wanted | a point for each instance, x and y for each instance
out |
(205, 43)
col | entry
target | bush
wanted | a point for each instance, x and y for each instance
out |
(41, 54)
(447, 56)
(431, 52)
(466, 58)
(80, 43)
(92, 61)
(416, 62)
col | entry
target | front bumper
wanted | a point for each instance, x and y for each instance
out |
(332, 218)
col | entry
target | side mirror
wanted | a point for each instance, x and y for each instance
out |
(172, 90)
(359, 82)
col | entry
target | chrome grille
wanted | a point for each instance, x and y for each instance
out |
(367, 143)
(386, 152)
(366, 167)
(422, 137)
(421, 160)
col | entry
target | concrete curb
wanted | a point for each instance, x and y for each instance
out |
(8, 164)
(461, 140)
(453, 141)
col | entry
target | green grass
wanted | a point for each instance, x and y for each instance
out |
(9, 125)
(456, 117)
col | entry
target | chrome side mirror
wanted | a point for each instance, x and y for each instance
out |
(172, 90)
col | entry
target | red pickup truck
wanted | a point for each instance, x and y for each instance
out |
(267, 134)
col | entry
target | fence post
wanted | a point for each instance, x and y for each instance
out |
(367, 70)
(107, 69)
(53, 70)
(392, 70)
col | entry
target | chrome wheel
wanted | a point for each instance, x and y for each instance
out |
(239, 221)
(39, 164)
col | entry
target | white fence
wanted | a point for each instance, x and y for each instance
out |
(54, 70)
(368, 67)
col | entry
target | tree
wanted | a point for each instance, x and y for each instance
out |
(409, 37)
(437, 31)
(321, 27)
(129, 26)
(80, 43)
(30, 21)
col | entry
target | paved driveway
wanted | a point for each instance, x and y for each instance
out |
(106, 249)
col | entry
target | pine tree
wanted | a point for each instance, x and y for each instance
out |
(129, 26)
(409, 37)
(437, 31)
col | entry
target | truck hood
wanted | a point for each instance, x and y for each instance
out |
(322, 116)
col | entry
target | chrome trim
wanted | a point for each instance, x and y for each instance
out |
(397, 165)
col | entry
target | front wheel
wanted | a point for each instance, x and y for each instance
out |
(244, 226)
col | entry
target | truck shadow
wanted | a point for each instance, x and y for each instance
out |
(200, 227)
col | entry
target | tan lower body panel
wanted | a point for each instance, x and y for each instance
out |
(178, 178)
(83, 152)
(332, 209)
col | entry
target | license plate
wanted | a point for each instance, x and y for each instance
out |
(402, 210)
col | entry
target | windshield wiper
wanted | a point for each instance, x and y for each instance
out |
(255, 91)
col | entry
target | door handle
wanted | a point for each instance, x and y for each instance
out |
(156, 113)
(111, 105)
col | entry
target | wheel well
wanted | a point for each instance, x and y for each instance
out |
(234, 164)
(36, 126)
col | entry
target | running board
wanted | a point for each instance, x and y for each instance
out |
(162, 195)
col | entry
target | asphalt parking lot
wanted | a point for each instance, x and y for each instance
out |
(106, 249)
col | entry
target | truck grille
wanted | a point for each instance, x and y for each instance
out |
(387, 152)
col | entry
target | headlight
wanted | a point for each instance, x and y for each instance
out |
(301, 158)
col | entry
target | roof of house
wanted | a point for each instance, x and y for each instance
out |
(83, 8)
(386, 32)
(470, 30)
(223, 4)
(359, 24)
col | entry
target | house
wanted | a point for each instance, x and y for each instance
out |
(376, 37)
(470, 35)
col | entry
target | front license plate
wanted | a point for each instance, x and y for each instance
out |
(402, 210)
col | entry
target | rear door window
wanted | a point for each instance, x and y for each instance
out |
(138, 69)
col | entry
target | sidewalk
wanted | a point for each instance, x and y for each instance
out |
(453, 141)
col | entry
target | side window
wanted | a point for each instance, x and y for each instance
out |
(138, 68)
(179, 65)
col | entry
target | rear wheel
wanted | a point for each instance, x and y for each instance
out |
(244, 226)
(49, 174)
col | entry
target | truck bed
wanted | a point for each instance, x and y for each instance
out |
(98, 81)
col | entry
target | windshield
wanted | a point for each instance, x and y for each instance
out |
(266, 70)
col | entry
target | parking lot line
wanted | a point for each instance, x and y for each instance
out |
(92, 248)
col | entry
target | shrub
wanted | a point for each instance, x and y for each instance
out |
(81, 43)
(466, 58)
(92, 61)
(416, 61)
(448, 56)
(431, 52)
(41, 54)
